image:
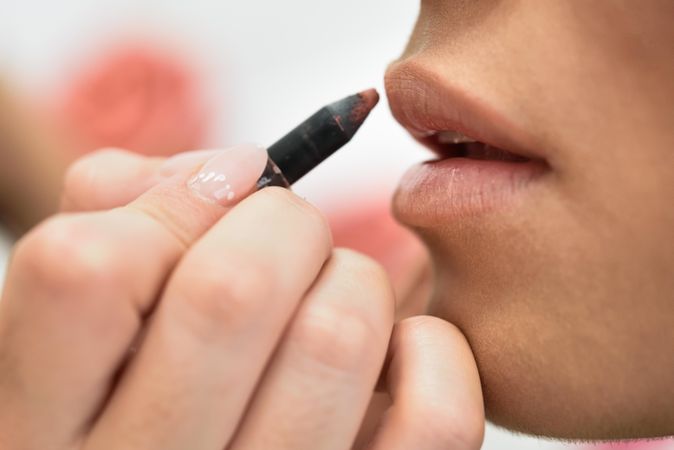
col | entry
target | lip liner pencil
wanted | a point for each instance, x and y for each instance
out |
(315, 139)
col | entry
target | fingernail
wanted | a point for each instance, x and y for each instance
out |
(230, 175)
(185, 163)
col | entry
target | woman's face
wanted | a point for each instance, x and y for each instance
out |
(556, 258)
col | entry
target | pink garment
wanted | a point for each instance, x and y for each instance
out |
(666, 444)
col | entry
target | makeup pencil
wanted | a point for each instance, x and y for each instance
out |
(315, 139)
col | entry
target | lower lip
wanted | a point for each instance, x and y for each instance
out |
(440, 190)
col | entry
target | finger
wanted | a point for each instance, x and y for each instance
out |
(316, 390)
(435, 387)
(78, 289)
(111, 177)
(223, 311)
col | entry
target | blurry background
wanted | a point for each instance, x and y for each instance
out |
(165, 76)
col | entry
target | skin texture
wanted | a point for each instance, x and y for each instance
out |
(149, 316)
(566, 295)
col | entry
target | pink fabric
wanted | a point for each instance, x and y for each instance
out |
(665, 444)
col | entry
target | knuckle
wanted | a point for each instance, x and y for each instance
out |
(65, 254)
(335, 337)
(227, 296)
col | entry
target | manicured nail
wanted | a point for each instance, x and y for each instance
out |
(230, 175)
(185, 163)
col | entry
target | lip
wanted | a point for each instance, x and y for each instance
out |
(452, 187)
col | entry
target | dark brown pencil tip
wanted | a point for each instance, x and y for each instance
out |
(366, 101)
(371, 97)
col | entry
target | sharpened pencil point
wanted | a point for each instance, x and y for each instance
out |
(371, 97)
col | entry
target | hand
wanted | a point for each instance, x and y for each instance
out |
(161, 319)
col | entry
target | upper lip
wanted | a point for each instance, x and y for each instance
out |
(423, 103)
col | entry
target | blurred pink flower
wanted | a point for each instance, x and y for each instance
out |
(135, 97)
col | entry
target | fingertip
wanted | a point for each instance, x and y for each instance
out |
(435, 356)
(433, 380)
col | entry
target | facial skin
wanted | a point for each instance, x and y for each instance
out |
(566, 290)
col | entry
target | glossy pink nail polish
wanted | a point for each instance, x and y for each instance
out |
(230, 175)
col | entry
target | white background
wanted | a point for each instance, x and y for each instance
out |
(269, 64)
